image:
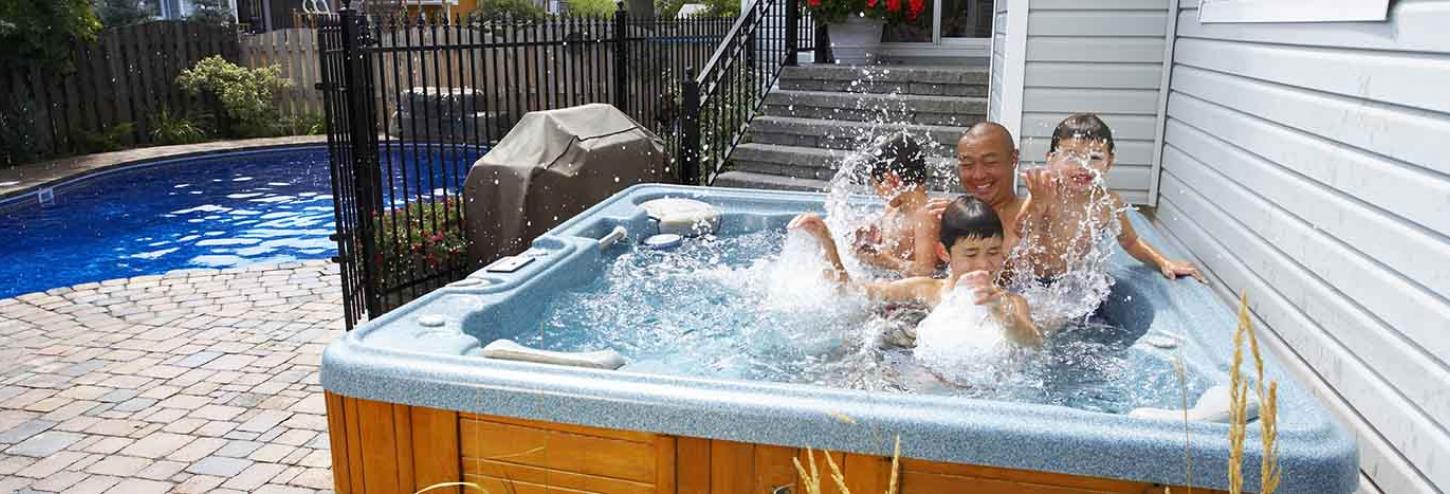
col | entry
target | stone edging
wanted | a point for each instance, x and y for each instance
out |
(24, 179)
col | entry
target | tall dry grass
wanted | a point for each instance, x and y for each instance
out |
(1269, 473)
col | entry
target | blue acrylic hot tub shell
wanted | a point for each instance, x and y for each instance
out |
(396, 359)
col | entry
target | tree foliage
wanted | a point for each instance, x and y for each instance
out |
(114, 13)
(35, 33)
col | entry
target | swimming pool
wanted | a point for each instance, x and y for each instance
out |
(659, 420)
(203, 211)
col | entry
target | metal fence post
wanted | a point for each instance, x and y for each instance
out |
(621, 58)
(823, 43)
(363, 137)
(689, 160)
(792, 31)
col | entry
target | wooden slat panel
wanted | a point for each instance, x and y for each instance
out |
(404, 446)
(732, 467)
(554, 478)
(1023, 477)
(379, 443)
(559, 450)
(868, 474)
(774, 468)
(622, 435)
(692, 465)
(436, 452)
(355, 446)
(338, 442)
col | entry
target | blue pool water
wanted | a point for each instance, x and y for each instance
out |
(210, 211)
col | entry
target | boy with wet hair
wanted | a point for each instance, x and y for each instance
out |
(1063, 208)
(970, 242)
(896, 170)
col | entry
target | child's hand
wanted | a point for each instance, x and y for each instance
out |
(1042, 185)
(982, 285)
(927, 220)
(1172, 269)
(810, 223)
(867, 239)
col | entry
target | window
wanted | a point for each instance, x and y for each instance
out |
(1292, 10)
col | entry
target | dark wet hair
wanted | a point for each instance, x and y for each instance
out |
(900, 155)
(969, 217)
(1086, 126)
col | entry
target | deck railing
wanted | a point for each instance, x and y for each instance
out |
(725, 96)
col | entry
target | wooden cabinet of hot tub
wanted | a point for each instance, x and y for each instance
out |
(390, 448)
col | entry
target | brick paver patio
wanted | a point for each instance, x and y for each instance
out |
(190, 382)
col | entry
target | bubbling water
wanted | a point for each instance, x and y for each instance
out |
(755, 307)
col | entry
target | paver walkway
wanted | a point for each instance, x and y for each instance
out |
(190, 382)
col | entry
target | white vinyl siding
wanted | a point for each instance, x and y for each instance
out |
(1305, 164)
(1100, 56)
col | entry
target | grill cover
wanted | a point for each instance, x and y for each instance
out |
(552, 165)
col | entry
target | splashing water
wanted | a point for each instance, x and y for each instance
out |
(1061, 266)
(961, 342)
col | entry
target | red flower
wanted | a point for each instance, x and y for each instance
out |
(814, 3)
(893, 6)
(872, 3)
(914, 8)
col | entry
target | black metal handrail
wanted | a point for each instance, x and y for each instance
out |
(719, 103)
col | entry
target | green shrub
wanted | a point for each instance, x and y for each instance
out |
(247, 96)
(592, 8)
(423, 237)
(109, 139)
(495, 10)
(167, 128)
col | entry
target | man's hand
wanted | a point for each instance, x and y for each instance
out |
(980, 283)
(1172, 269)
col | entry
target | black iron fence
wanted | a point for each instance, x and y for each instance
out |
(411, 103)
(725, 96)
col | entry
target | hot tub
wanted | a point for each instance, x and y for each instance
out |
(411, 404)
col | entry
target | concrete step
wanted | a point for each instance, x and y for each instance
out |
(919, 80)
(816, 164)
(846, 134)
(883, 108)
(752, 180)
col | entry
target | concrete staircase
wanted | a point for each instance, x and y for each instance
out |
(819, 114)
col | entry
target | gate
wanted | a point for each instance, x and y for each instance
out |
(412, 102)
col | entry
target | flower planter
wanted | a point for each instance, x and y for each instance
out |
(855, 41)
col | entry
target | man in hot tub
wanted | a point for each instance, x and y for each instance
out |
(971, 243)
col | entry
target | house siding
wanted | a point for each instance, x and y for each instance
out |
(1101, 56)
(999, 58)
(1304, 164)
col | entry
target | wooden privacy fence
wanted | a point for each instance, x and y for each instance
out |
(128, 75)
(295, 51)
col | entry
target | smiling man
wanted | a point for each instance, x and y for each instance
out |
(987, 164)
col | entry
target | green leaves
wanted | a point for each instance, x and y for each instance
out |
(247, 96)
